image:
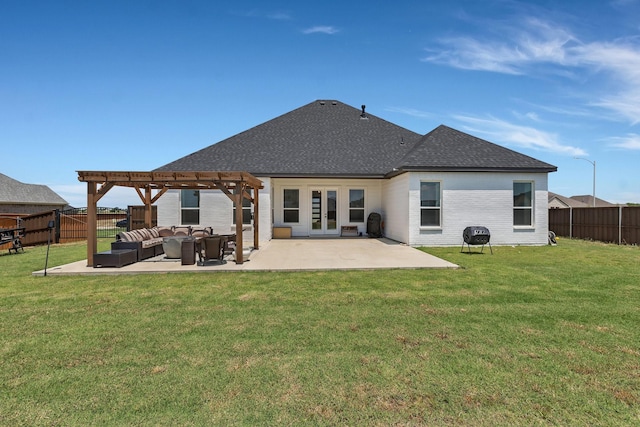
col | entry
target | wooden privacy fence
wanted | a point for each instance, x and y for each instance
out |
(37, 228)
(135, 216)
(72, 224)
(617, 224)
(8, 222)
(68, 225)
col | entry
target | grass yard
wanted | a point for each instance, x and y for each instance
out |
(527, 336)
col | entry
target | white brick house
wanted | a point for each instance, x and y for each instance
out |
(327, 165)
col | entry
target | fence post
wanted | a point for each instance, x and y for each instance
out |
(620, 225)
(56, 214)
(570, 222)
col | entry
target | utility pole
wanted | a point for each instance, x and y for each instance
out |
(594, 177)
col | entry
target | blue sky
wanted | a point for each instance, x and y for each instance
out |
(133, 85)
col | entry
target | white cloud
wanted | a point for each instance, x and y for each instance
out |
(470, 54)
(527, 116)
(621, 59)
(629, 142)
(540, 42)
(410, 112)
(280, 16)
(575, 111)
(536, 46)
(256, 13)
(497, 130)
(323, 29)
(533, 116)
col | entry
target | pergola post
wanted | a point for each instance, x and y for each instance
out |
(148, 218)
(256, 219)
(237, 202)
(92, 221)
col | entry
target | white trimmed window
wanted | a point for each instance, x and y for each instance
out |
(430, 206)
(356, 205)
(291, 211)
(190, 207)
(522, 204)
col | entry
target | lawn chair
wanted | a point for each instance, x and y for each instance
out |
(211, 248)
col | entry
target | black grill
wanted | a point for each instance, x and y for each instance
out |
(476, 235)
(374, 225)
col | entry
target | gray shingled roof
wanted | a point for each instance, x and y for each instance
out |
(568, 201)
(329, 138)
(321, 138)
(588, 200)
(447, 149)
(16, 192)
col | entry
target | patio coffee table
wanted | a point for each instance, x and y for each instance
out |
(172, 246)
(115, 258)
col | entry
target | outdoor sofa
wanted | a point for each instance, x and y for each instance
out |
(148, 241)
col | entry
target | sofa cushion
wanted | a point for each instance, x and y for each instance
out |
(137, 235)
(126, 236)
(202, 232)
(165, 232)
(181, 231)
(154, 232)
(151, 242)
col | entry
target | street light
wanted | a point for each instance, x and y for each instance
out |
(594, 177)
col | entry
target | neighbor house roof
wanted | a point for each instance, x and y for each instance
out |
(329, 138)
(16, 192)
(588, 200)
(557, 199)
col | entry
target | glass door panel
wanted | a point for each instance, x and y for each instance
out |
(316, 210)
(324, 211)
(332, 210)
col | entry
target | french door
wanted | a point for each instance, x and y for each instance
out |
(324, 211)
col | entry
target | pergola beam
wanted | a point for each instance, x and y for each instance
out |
(193, 180)
(235, 185)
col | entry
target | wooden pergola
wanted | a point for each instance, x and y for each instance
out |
(236, 185)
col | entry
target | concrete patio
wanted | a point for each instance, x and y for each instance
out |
(285, 255)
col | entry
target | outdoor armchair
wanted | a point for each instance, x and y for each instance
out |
(211, 248)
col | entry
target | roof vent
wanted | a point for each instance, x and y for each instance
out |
(334, 103)
(321, 102)
(363, 115)
(401, 140)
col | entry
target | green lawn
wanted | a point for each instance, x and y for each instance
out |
(527, 336)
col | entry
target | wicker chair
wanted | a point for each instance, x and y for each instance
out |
(211, 248)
